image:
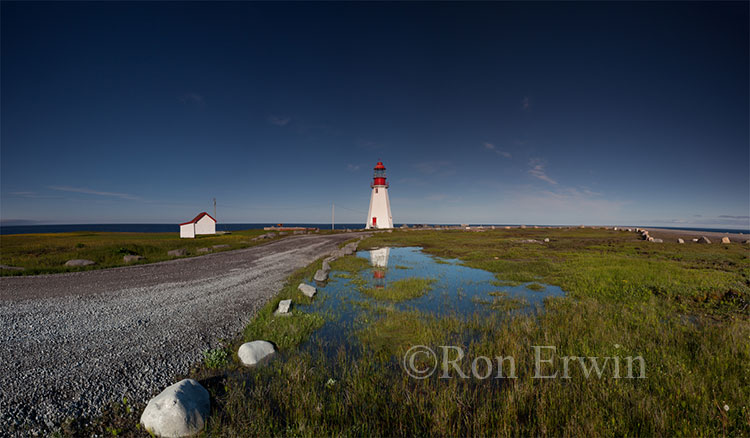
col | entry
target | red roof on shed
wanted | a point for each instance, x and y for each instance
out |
(197, 218)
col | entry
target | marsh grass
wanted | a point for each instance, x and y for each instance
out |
(47, 253)
(287, 331)
(683, 309)
(501, 301)
(401, 290)
(536, 287)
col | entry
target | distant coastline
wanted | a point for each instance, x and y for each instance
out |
(168, 228)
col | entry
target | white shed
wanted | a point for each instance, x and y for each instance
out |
(201, 224)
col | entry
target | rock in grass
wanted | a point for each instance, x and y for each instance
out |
(177, 252)
(132, 258)
(307, 290)
(326, 266)
(79, 262)
(252, 353)
(180, 410)
(224, 246)
(703, 239)
(283, 307)
(679, 240)
(11, 268)
(320, 276)
(725, 239)
(746, 242)
(656, 240)
(546, 240)
(204, 250)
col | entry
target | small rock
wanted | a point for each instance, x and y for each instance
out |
(679, 240)
(725, 239)
(203, 250)
(10, 268)
(252, 353)
(307, 290)
(283, 307)
(695, 240)
(79, 262)
(546, 239)
(132, 258)
(180, 410)
(655, 240)
(299, 232)
(703, 239)
(321, 276)
(223, 246)
(283, 233)
(326, 266)
(747, 241)
(177, 252)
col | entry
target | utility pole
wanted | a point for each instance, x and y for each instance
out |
(215, 210)
(333, 215)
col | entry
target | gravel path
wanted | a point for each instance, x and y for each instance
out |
(73, 343)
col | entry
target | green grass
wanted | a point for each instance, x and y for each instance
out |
(401, 290)
(286, 331)
(536, 287)
(683, 308)
(47, 253)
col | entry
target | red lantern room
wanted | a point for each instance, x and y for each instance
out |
(379, 176)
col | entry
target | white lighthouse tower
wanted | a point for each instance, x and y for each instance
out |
(379, 215)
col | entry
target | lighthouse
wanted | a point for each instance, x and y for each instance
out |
(379, 215)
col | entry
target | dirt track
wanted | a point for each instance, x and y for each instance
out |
(74, 342)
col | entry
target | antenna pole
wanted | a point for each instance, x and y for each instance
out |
(333, 215)
(215, 209)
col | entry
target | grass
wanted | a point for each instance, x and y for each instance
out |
(682, 308)
(536, 287)
(286, 331)
(401, 290)
(47, 253)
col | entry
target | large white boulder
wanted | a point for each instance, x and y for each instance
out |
(251, 353)
(307, 289)
(180, 410)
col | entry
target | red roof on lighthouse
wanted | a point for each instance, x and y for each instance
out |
(197, 218)
(379, 166)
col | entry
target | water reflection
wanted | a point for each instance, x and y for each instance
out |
(458, 290)
(379, 261)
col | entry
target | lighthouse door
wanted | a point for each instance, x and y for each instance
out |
(374, 221)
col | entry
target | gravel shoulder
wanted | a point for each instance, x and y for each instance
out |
(75, 342)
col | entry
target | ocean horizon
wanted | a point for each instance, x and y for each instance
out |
(171, 227)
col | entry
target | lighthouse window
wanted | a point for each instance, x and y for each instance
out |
(376, 189)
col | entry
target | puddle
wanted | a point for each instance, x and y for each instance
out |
(457, 291)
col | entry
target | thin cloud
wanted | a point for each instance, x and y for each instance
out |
(526, 103)
(491, 147)
(88, 191)
(278, 120)
(352, 167)
(188, 98)
(32, 195)
(431, 167)
(537, 171)
(726, 216)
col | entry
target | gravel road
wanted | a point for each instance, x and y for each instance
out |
(73, 343)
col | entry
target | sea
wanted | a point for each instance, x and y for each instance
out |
(174, 228)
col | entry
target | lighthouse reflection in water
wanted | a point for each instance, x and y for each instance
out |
(379, 261)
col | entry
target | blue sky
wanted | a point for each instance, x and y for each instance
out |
(548, 113)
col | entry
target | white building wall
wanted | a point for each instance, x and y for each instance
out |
(380, 208)
(187, 231)
(205, 225)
